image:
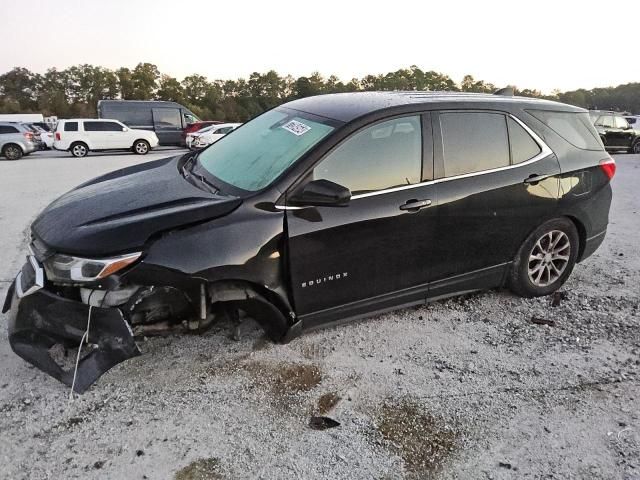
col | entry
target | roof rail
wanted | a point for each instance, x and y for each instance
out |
(506, 92)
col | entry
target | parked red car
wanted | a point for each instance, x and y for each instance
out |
(195, 126)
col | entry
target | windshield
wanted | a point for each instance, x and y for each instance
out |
(259, 151)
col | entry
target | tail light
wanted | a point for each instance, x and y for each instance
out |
(608, 166)
(58, 136)
(28, 136)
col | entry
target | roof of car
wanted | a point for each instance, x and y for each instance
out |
(348, 106)
(88, 120)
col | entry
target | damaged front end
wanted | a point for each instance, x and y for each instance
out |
(46, 317)
(40, 319)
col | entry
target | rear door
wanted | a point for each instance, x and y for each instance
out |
(168, 125)
(496, 184)
(374, 252)
(623, 133)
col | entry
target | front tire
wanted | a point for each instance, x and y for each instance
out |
(545, 259)
(79, 150)
(141, 147)
(635, 148)
(12, 152)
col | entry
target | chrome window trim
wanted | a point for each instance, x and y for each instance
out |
(545, 151)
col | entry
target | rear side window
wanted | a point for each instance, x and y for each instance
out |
(8, 129)
(523, 147)
(71, 126)
(94, 127)
(575, 128)
(385, 155)
(473, 142)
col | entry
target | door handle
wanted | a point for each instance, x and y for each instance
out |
(415, 205)
(531, 179)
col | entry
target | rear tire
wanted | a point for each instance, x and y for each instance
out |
(12, 152)
(79, 149)
(546, 259)
(141, 147)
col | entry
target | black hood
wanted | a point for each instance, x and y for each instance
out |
(119, 211)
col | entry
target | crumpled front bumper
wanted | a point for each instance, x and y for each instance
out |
(43, 319)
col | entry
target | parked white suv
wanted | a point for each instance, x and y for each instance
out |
(80, 136)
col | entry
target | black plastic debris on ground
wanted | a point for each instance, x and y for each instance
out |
(543, 321)
(322, 423)
(557, 298)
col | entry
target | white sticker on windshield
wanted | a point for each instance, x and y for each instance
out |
(297, 128)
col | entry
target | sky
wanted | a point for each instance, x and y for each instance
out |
(540, 44)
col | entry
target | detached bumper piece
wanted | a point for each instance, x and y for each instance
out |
(41, 320)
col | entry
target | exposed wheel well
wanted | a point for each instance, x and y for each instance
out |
(258, 302)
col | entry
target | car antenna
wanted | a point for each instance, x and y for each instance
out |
(505, 92)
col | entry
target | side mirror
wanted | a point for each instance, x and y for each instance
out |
(321, 193)
(125, 129)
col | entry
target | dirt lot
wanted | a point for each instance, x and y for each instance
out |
(464, 388)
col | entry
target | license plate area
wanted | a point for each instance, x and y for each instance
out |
(30, 279)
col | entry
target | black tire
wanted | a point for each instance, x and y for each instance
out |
(141, 147)
(525, 271)
(635, 148)
(79, 149)
(12, 152)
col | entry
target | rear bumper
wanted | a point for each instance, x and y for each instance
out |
(41, 320)
(592, 244)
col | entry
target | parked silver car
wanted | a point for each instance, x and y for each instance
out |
(16, 140)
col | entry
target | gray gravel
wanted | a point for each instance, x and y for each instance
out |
(463, 388)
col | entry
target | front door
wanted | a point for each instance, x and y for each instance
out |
(167, 123)
(496, 184)
(96, 134)
(115, 136)
(373, 253)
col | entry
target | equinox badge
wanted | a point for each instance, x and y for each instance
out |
(329, 278)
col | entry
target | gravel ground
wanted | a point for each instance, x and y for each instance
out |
(463, 388)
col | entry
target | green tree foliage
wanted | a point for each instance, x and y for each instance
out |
(76, 90)
(170, 89)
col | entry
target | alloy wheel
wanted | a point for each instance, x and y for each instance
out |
(79, 150)
(636, 147)
(141, 148)
(12, 153)
(549, 258)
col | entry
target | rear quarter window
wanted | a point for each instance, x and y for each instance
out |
(574, 127)
(8, 129)
(71, 126)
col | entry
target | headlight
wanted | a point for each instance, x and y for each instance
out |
(68, 269)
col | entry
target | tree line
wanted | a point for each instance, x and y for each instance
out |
(75, 91)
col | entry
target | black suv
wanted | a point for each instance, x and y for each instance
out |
(324, 209)
(615, 132)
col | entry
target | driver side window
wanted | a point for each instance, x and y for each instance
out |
(385, 155)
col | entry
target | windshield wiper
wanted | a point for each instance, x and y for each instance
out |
(188, 172)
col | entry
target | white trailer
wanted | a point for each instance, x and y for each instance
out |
(21, 117)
